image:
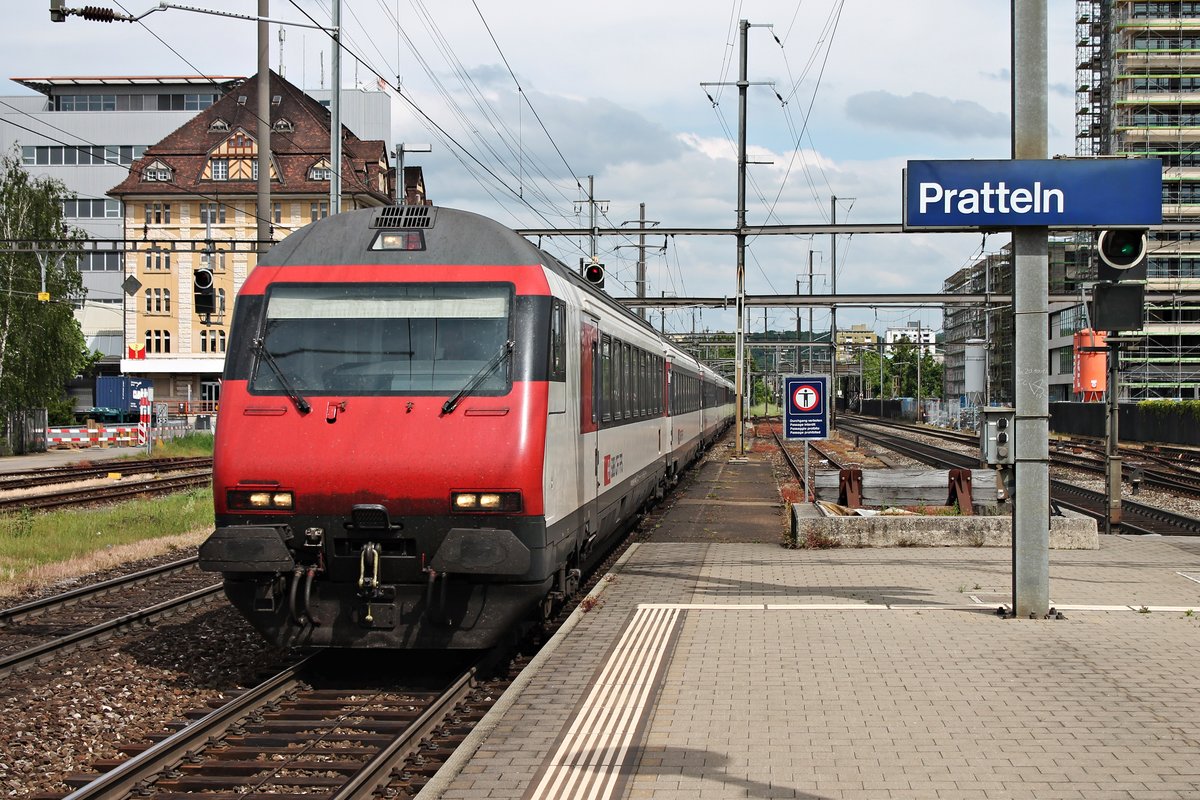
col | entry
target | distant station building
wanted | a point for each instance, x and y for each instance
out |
(200, 183)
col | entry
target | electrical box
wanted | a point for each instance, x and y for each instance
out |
(996, 436)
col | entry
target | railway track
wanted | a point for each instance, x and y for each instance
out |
(1178, 475)
(41, 631)
(1136, 518)
(108, 493)
(313, 729)
(49, 476)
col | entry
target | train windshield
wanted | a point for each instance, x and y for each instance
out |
(384, 338)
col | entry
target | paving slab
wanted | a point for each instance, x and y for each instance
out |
(733, 669)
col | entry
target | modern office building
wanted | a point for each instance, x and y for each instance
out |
(87, 131)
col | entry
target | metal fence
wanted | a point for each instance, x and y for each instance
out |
(24, 432)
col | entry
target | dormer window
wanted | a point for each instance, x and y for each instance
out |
(284, 125)
(320, 171)
(218, 126)
(157, 171)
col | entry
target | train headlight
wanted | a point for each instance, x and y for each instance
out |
(259, 500)
(485, 502)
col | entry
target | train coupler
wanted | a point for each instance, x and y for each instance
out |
(368, 569)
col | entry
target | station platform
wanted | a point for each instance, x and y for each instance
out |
(711, 662)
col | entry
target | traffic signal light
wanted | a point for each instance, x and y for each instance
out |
(1122, 255)
(204, 293)
(594, 274)
(995, 443)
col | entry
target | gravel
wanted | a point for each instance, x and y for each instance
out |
(92, 702)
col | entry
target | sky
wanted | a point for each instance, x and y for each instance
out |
(523, 101)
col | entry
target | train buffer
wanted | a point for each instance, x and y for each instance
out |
(881, 488)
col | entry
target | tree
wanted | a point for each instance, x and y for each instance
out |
(41, 344)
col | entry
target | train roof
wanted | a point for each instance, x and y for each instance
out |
(451, 237)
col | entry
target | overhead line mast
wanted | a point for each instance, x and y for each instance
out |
(743, 84)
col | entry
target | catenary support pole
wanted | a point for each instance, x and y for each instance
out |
(335, 114)
(1031, 511)
(833, 379)
(262, 205)
(740, 336)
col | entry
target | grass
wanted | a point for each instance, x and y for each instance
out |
(192, 445)
(41, 548)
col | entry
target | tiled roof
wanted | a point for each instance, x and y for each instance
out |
(186, 150)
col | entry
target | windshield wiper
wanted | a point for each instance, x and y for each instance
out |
(478, 377)
(260, 347)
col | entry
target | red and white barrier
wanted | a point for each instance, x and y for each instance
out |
(100, 436)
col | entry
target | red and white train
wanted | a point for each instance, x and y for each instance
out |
(429, 428)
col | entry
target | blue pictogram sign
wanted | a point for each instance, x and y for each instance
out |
(806, 407)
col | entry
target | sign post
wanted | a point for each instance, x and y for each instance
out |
(806, 412)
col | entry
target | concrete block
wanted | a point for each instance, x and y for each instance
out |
(810, 529)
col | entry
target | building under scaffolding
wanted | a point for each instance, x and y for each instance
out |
(1138, 94)
(994, 325)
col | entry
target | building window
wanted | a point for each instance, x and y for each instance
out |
(84, 102)
(185, 102)
(318, 211)
(158, 261)
(218, 126)
(277, 212)
(158, 301)
(91, 209)
(158, 341)
(284, 125)
(214, 261)
(212, 213)
(158, 213)
(100, 262)
(157, 171)
(220, 169)
(221, 302)
(212, 341)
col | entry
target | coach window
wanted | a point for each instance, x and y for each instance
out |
(647, 396)
(656, 379)
(631, 377)
(639, 383)
(619, 407)
(628, 381)
(558, 343)
(606, 394)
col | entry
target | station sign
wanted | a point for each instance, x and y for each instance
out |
(1052, 193)
(806, 407)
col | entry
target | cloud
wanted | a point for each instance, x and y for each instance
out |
(921, 112)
